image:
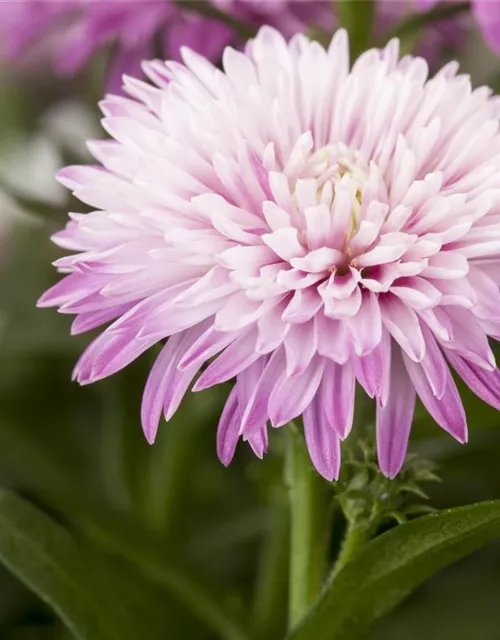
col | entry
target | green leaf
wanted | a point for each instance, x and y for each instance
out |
(389, 568)
(91, 596)
(143, 554)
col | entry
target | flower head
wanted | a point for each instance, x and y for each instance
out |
(439, 39)
(68, 33)
(486, 13)
(299, 226)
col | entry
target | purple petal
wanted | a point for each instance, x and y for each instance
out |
(468, 339)
(323, 443)
(92, 319)
(109, 353)
(207, 346)
(487, 13)
(300, 346)
(434, 365)
(166, 385)
(126, 62)
(372, 370)
(291, 396)
(366, 326)
(247, 382)
(259, 442)
(337, 397)
(485, 384)
(447, 411)
(403, 324)
(395, 418)
(228, 429)
(256, 413)
(235, 358)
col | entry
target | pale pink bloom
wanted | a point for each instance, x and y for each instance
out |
(65, 34)
(301, 227)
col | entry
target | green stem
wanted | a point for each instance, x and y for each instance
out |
(167, 484)
(204, 8)
(356, 536)
(271, 588)
(309, 524)
(168, 465)
(113, 460)
(417, 21)
(357, 19)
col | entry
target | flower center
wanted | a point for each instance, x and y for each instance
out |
(334, 161)
(334, 176)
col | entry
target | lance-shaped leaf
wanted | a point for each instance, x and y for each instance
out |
(388, 569)
(91, 596)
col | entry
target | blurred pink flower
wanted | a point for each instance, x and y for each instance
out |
(68, 33)
(301, 227)
(487, 14)
(439, 38)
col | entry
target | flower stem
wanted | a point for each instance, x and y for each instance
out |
(271, 590)
(357, 19)
(356, 536)
(204, 8)
(309, 524)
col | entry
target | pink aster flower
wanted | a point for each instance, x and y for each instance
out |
(300, 227)
(67, 33)
(486, 13)
(438, 39)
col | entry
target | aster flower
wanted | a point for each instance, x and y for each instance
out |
(301, 227)
(67, 33)
(436, 40)
(486, 13)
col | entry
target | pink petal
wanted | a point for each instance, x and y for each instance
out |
(333, 340)
(395, 418)
(291, 396)
(284, 242)
(235, 358)
(404, 326)
(300, 346)
(322, 441)
(485, 384)
(259, 442)
(434, 365)
(166, 384)
(365, 328)
(372, 369)
(448, 410)
(487, 13)
(337, 397)
(256, 411)
(227, 431)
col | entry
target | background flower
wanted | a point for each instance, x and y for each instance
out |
(310, 225)
(440, 37)
(70, 32)
(487, 14)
